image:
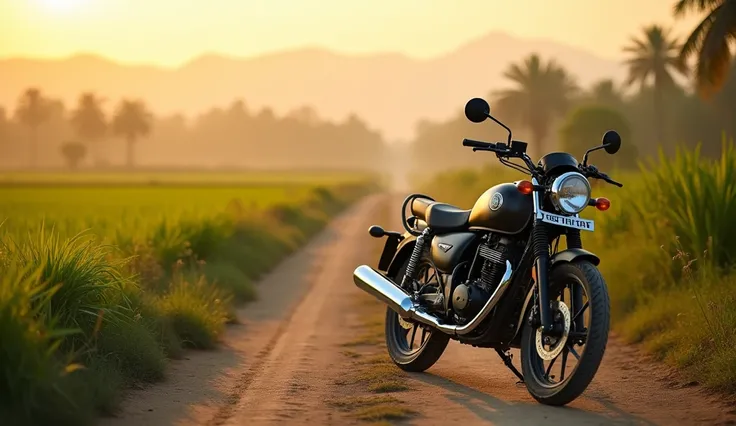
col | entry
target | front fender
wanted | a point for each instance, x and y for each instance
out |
(403, 252)
(573, 254)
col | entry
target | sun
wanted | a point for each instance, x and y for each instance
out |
(61, 5)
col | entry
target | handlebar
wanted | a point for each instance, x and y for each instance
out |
(611, 181)
(479, 144)
(592, 171)
(502, 151)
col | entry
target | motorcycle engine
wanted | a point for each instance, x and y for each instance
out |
(470, 297)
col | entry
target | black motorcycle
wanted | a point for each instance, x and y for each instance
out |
(493, 277)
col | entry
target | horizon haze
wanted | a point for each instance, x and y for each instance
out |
(392, 92)
(393, 64)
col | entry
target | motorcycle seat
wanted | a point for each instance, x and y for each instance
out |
(440, 217)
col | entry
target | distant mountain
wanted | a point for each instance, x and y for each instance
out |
(390, 91)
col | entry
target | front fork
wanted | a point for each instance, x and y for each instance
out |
(541, 266)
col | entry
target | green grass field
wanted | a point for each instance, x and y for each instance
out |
(132, 210)
(101, 284)
(667, 252)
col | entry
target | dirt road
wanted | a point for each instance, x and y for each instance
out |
(287, 363)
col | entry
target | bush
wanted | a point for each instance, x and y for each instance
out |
(584, 129)
(197, 311)
(30, 364)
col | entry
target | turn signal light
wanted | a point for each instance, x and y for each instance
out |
(602, 204)
(525, 187)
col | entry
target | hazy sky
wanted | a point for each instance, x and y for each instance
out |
(170, 32)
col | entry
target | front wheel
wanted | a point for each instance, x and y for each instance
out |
(558, 366)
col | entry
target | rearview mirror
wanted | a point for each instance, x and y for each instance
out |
(477, 110)
(611, 141)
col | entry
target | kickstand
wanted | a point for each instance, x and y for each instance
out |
(506, 357)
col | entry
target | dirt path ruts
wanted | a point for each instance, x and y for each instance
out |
(282, 364)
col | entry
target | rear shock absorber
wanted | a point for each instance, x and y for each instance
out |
(410, 275)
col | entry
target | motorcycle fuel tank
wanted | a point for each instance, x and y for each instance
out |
(502, 209)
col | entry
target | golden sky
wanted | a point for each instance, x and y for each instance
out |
(171, 32)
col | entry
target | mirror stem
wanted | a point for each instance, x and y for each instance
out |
(585, 157)
(508, 143)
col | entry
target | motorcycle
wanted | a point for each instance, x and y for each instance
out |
(493, 277)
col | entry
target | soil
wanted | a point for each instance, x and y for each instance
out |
(285, 362)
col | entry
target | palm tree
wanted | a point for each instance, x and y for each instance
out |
(543, 92)
(32, 111)
(88, 119)
(710, 41)
(132, 121)
(656, 55)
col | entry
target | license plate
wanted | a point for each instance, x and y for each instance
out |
(568, 222)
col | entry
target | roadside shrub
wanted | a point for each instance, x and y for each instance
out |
(228, 277)
(31, 368)
(197, 312)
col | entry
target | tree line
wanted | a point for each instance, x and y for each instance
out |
(650, 109)
(41, 132)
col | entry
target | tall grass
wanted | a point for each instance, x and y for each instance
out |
(693, 198)
(673, 288)
(84, 315)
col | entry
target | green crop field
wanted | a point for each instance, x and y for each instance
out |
(134, 210)
(106, 276)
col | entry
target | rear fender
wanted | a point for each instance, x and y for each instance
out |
(403, 252)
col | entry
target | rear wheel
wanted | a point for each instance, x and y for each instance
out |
(412, 346)
(559, 366)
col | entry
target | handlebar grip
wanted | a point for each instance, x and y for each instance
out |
(609, 180)
(478, 144)
(613, 182)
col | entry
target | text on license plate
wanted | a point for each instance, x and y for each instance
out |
(567, 221)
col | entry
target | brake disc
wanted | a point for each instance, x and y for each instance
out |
(557, 347)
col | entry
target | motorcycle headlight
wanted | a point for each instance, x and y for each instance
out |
(570, 192)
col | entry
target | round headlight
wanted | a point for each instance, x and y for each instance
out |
(570, 192)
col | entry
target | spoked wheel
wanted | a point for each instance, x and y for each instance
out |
(412, 346)
(558, 366)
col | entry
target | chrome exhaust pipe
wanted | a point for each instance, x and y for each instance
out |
(382, 288)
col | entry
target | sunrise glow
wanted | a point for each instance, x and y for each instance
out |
(59, 6)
